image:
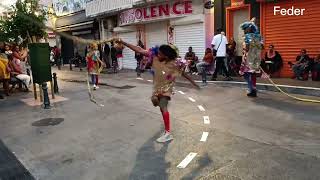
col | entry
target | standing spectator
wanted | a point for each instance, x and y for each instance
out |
(273, 60)
(120, 58)
(303, 65)
(114, 59)
(52, 56)
(139, 58)
(316, 68)
(219, 44)
(207, 62)
(106, 51)
(57, 57)
(191, 59)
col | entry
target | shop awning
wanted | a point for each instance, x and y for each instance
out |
(73, 27)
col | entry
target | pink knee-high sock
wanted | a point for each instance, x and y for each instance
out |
(254, 80)
(166, 120)
(97, 80)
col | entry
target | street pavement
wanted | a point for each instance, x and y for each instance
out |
(267, 138)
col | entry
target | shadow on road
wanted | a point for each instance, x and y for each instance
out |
(150, 162)
(292, 107)
(203, 162)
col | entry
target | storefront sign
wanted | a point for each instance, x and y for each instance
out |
(237, 3)
(154, 12)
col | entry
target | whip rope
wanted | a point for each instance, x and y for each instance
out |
(289, 95)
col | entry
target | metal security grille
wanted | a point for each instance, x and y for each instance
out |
(156, 34)
(290, 34)
(129, 61)
(190, 35)
(10, 167)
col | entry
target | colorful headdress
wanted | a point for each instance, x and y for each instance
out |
(250, 24)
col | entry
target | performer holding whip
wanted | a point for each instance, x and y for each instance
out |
(166, 69)
(251, 58)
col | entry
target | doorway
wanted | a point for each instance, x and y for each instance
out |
(235, 17)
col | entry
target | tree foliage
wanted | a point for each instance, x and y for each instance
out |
(27, 21)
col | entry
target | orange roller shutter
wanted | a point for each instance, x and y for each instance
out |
(290, 34)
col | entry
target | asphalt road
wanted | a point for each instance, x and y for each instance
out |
(268, 138)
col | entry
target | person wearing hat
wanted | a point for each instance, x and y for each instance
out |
(166, 68)
(251, 58)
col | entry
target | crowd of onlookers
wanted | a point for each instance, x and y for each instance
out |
(14, 68)
(221, 58)
(304, 65)
(225, 61)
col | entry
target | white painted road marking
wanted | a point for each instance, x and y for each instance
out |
(187, 160)
(201, 108)
(204, 136)
(181, 92)
(150, 80)
(206, 120)
(139, 78)
(191, 99)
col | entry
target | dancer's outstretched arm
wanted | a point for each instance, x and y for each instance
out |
(191, 80)
(134, 47)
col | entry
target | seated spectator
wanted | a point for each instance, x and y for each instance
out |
(273, 61)
(17, 68)
(206, 63)
(4, 74)
(302, 66)
(7, 51)
(316, 68)
(191, 59)
(232, 65)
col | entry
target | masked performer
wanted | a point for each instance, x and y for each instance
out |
(94, 64)
(251, 59)
(166, 68)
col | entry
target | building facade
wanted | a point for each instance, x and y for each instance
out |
(276, 28)
(73, 21)
(295, 28)
(181, 22)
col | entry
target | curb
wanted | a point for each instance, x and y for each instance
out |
(309, 91)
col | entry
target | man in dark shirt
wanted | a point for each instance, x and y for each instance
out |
(303, 64)
(190, 57)
(114, 58)
(106, 51)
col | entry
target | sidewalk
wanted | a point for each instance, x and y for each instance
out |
(292, 86)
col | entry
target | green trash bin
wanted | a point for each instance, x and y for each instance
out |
(40, 62)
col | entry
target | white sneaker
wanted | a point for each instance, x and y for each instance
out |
(165, 138)
(94, 87)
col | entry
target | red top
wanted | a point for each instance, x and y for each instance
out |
(208, 58)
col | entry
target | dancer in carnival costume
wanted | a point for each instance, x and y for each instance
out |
(251, 59)
(166, 68)
(94, 64)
